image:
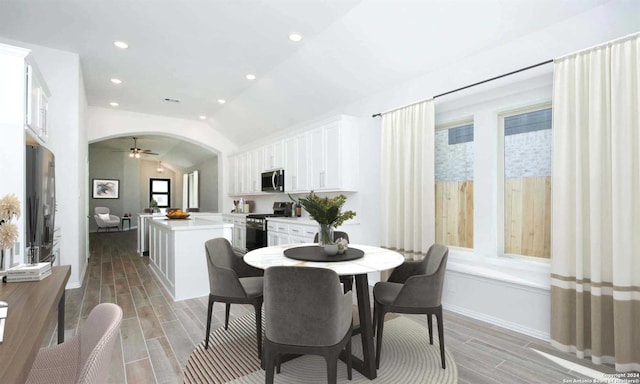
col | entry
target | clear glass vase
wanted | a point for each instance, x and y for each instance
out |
(325, 234)
(33, 255)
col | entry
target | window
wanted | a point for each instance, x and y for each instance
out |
(527, 182)
(192, 190)
(160, 191)
(454, 184)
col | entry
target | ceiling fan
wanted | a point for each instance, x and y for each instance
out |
(136, 152)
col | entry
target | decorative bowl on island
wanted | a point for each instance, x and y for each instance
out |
(177, 215)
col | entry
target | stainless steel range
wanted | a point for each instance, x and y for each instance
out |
(257, 226)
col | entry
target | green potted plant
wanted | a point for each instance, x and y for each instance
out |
(153, 205)
(327, 211)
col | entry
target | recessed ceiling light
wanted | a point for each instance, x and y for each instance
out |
(113, 104)
(250, 76)
(295, 37)
(121, 44)
(171, 100)
(203, 117)
(222, 101)
(116, 81)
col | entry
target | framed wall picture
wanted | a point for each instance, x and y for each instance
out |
(106, 188)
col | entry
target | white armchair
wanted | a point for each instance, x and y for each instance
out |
(106, 220)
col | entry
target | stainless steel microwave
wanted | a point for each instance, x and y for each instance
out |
(273, 181)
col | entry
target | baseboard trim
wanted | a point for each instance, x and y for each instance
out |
(78, 284)
(499, 322)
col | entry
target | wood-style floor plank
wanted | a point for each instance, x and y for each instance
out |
(133, 345)
(165, 365)
(116, 371)
(149, 322)
(180, 341)
(140, 371)
(140, 298)
(157, 334)
(125, 301)
(164, 311)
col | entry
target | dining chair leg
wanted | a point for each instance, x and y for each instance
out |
(379, 335)
(332, 368)
(209, 310)
(269, 362)
(441, 335)
(258, 309)
(226, 316)
(375, 318)
(349, 365)
(429, 323)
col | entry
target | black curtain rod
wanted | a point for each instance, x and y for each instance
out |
(485, 81)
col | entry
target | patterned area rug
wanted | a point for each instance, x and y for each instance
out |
(407, 357)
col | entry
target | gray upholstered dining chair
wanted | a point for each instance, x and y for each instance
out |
(86, 357)
(231, 280)
(347, 281)
(306, 313)
(105, 220)
(413, 287)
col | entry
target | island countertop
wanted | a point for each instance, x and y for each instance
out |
(190, 224)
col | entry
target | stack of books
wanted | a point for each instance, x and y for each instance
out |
(28, 272)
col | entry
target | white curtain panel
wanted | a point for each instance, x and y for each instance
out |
(407, 174)
(595, 265)
(185, 191)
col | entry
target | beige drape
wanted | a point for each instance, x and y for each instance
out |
(407, 177)
(595, 267)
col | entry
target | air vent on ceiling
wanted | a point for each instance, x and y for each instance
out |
(170, 100)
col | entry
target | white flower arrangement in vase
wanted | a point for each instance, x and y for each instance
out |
(9, 210)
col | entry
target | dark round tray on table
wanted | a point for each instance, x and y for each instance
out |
(316, 253)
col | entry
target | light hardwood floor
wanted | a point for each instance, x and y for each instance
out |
(157, 335)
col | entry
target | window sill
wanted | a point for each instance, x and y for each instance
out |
(514, 271)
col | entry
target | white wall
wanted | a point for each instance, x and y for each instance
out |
(12, 145)
(62, 74)
(104, 123)
(208, 189)
(67, 140)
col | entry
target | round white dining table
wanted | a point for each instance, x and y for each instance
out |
(375, 259)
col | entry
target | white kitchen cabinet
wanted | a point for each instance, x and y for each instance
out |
(298, 234)
(37, 102)
(244, 173)
(240, 233)
(296, 164)
(254, 169)
(272, 236)
(325, 158)
(282, 233)
(334, 156)
(277, 233)
(283, 230)
(274, 155)
(234, 187)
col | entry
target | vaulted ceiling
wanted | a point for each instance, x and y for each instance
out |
(199, 51)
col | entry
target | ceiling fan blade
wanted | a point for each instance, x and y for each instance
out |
(149, 153)
(144, 150)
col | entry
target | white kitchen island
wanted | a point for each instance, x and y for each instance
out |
(177, 255)
(143, 226)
